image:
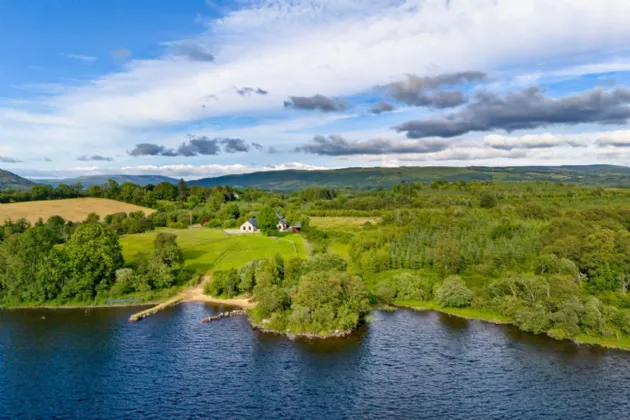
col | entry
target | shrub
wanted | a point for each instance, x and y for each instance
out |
(410, 287)
(488, 201)
(533, 319)
(567, 318)
(454, 293)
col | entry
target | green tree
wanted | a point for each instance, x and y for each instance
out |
(267, 220)
(488, 201)
(328, 301)
(231, 211)
(182, 190)
(533, 319)
(94, 255)
(446, 255)
(167, 251)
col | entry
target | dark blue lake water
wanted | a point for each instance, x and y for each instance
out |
(78, 364)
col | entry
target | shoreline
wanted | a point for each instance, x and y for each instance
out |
(196, 295)
(295, 336)
(603, 342)
(98, 306)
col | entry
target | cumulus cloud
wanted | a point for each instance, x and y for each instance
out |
(424, 91)
(335, 48)
(96, 158)
(527, 109)
(147, 149)
(381, 107)
(195, 146)
(336, 145)
(317, 102)
(199, 146)
(5, 159)
(248, 91)
(234, 145)
(530, 141)
(620, 138)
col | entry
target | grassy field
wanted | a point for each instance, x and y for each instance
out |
(74, 209)
(348, 224)
(208, 250)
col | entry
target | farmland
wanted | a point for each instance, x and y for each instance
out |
(74, 209)
(352, 224)
(212, 249)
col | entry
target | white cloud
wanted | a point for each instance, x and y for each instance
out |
(176, 171)
(307, 47)
(620, 138)
(81, 57)
(531, 141)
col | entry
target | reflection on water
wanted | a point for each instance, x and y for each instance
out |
(404, 364)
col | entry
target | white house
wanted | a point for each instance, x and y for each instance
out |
(282, 225)
(250, 226)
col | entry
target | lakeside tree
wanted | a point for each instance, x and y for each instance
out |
(93, 256)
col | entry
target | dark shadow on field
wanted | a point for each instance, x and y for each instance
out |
(192, 254)
(200, 268)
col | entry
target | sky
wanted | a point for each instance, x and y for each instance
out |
(203, 88)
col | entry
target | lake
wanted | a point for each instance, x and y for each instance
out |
(94, 364)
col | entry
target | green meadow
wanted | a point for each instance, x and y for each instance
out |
(207, 250)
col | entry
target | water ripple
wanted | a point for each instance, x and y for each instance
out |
(94, 364)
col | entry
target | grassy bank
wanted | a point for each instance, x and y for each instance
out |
(140, 299)
(621, 342)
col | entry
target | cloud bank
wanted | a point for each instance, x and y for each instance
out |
(527, 109)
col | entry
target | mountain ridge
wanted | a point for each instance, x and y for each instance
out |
(11, 181)
(88, 180)
(361, 177)
(379, 177)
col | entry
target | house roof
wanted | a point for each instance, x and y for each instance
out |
(284, 222)
(253, 222)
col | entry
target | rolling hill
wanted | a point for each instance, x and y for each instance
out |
(86, 181)
(362, 178)
(378, 178)
(11, 181)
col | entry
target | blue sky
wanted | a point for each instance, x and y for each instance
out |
(200, 88)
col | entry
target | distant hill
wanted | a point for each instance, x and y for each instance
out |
(11, 181)
(378, 178)
(86, 181)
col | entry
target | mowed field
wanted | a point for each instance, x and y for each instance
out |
(352, 224)
(208, 250)
(74, 209)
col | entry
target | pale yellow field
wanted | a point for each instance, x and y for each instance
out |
(74, 209)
